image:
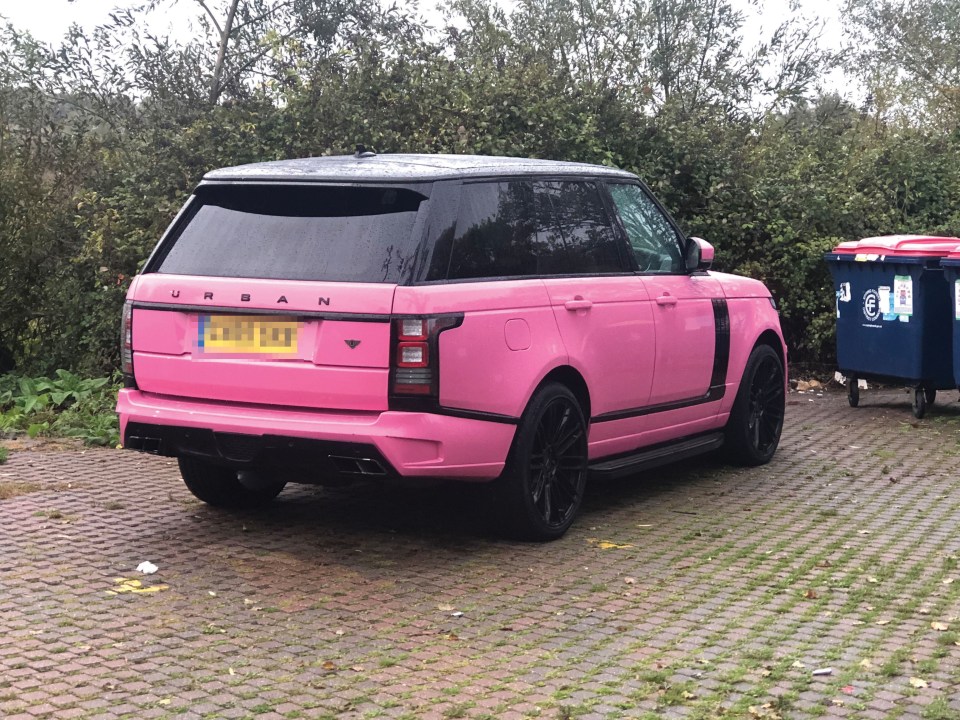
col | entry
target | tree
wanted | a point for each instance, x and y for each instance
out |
(909, 58)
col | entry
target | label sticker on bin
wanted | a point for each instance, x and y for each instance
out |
(903, 295)
(956, 299)
(886, 303)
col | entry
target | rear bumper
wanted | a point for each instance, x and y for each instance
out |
(403, 444)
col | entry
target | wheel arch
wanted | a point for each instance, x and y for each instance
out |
(769, 337)
(573, 381)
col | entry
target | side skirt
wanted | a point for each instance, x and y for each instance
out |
(648, 458)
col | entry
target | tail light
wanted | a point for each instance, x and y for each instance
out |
(415, 358)
(126, 346)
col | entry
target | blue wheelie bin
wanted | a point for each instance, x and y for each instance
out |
(951, 272)
(894, 314)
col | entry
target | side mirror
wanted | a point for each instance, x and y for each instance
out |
(699, 254)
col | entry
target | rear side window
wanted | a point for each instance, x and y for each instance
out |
(586, 242)
(527, 228)
(345, 234)
(495, 233)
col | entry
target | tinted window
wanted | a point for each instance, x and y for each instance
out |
(296, 233)
(655, 242)
(495, 232)
(526, 228)
(584, 241)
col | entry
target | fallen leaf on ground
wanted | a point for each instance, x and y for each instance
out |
(125, 585)
(629, 580)
(328, 665)
(882, 622)
(941, 626)
(445, 608)
(798, 664)
(810, 595)
(947, 581)
(919, 682)
(608, 545)
(866, 664)
(872, 579)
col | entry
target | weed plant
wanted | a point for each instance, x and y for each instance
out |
(66, 405)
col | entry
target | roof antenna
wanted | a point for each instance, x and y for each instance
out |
(362, 152)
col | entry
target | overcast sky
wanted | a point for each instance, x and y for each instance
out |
(48, 20)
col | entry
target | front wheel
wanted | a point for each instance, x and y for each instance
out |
(227, 487)
(542, 486)
(756, 420)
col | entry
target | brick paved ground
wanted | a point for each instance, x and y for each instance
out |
(701, 591)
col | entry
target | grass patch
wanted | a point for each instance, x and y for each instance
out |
(4, 454)
(13, 489)
(458, 711)
(939, 709)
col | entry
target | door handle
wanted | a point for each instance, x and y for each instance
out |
(666, 299)
(578, 303)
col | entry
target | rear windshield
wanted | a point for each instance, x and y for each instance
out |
(345, 234)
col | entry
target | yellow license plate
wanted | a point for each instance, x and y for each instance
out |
(247, 334)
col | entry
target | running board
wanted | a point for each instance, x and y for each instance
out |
(649, 458)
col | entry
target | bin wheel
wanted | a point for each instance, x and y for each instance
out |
(853, 391)
(919, 402)
(931, 395)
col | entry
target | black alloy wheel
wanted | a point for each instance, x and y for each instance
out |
(543, 486)
(756, 421)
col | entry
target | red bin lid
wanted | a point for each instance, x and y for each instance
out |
(901, 246)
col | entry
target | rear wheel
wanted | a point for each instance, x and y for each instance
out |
(542, 487)
(227, 487)
(756, 420)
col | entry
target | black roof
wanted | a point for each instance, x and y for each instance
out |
(404, 168)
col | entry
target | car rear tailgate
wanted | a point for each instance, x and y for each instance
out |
(297, 344)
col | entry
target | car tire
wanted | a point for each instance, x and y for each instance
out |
(756, 420)
(227, 487)
(541, 489)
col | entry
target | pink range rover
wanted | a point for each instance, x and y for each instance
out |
(413, 317)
